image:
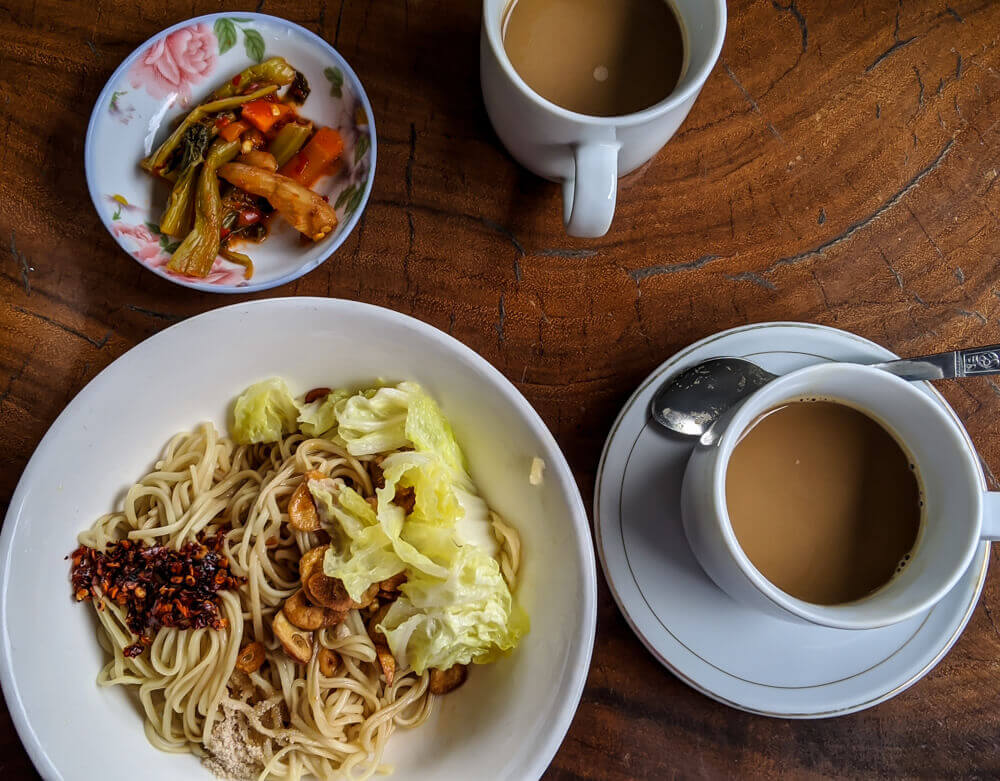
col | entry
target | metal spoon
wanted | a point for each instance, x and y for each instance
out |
(691, 402)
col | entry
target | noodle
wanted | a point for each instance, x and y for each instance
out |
(285, 720)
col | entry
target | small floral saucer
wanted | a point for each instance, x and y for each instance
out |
(168, 75)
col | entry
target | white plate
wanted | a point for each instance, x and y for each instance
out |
(721, 648)
(166, 77)
(509, 718)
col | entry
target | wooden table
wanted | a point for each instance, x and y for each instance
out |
(839, 168)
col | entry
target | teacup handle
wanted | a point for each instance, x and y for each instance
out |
(991, 516)
(589, 194)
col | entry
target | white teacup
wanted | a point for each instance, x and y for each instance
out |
(957, 512)
(586, 153)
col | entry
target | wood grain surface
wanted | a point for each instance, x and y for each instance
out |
(840, 167)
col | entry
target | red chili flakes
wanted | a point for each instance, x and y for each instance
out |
(157, 586)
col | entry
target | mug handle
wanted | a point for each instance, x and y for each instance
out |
(991, 516)
(589, 195)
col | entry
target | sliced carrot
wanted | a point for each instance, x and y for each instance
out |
(315, 158)
(234, 130)
(264, 114)
(327, 144)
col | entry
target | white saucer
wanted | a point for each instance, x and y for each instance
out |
(721, 648)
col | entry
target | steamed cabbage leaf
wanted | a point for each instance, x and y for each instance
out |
(430, 431)
(362, 554)
(264, 412)
(455, 607)
(319, 416)
(470, 616)
(374, 422)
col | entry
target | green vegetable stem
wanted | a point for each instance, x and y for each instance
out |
(273, 71)
(179, 214)
(198, 251)
(290, 139)
(157, 162)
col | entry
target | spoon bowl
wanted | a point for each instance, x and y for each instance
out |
(691, 402)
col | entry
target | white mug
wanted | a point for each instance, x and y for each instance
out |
(957, 512)
(586, 153)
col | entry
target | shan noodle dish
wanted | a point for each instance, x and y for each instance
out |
(237, 159)
(284, 598)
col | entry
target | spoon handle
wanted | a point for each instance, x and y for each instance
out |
(945, 366)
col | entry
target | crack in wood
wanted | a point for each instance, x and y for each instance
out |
(639, 321)
(753, 103)
(920, 82)
(822, 292)
(517, 269)
(889, 52)
(340, 15)
(989, 615)
(973, 313)
(98, 343)
(863, 223)
(896, 274)
(567, 253)
(954, 14)
(23, 264)
(154, 313)
(15, 376)
(741, 88)
(640, 274)
(822, 216)
(496, 227)
(502, 318)
(942, 83)
(927, 235)
(960, 275)
(793, 9)
(438, 211)
(753, 279)
(409, 162)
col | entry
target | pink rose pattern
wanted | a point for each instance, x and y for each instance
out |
(174, 64)
(148, 250)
